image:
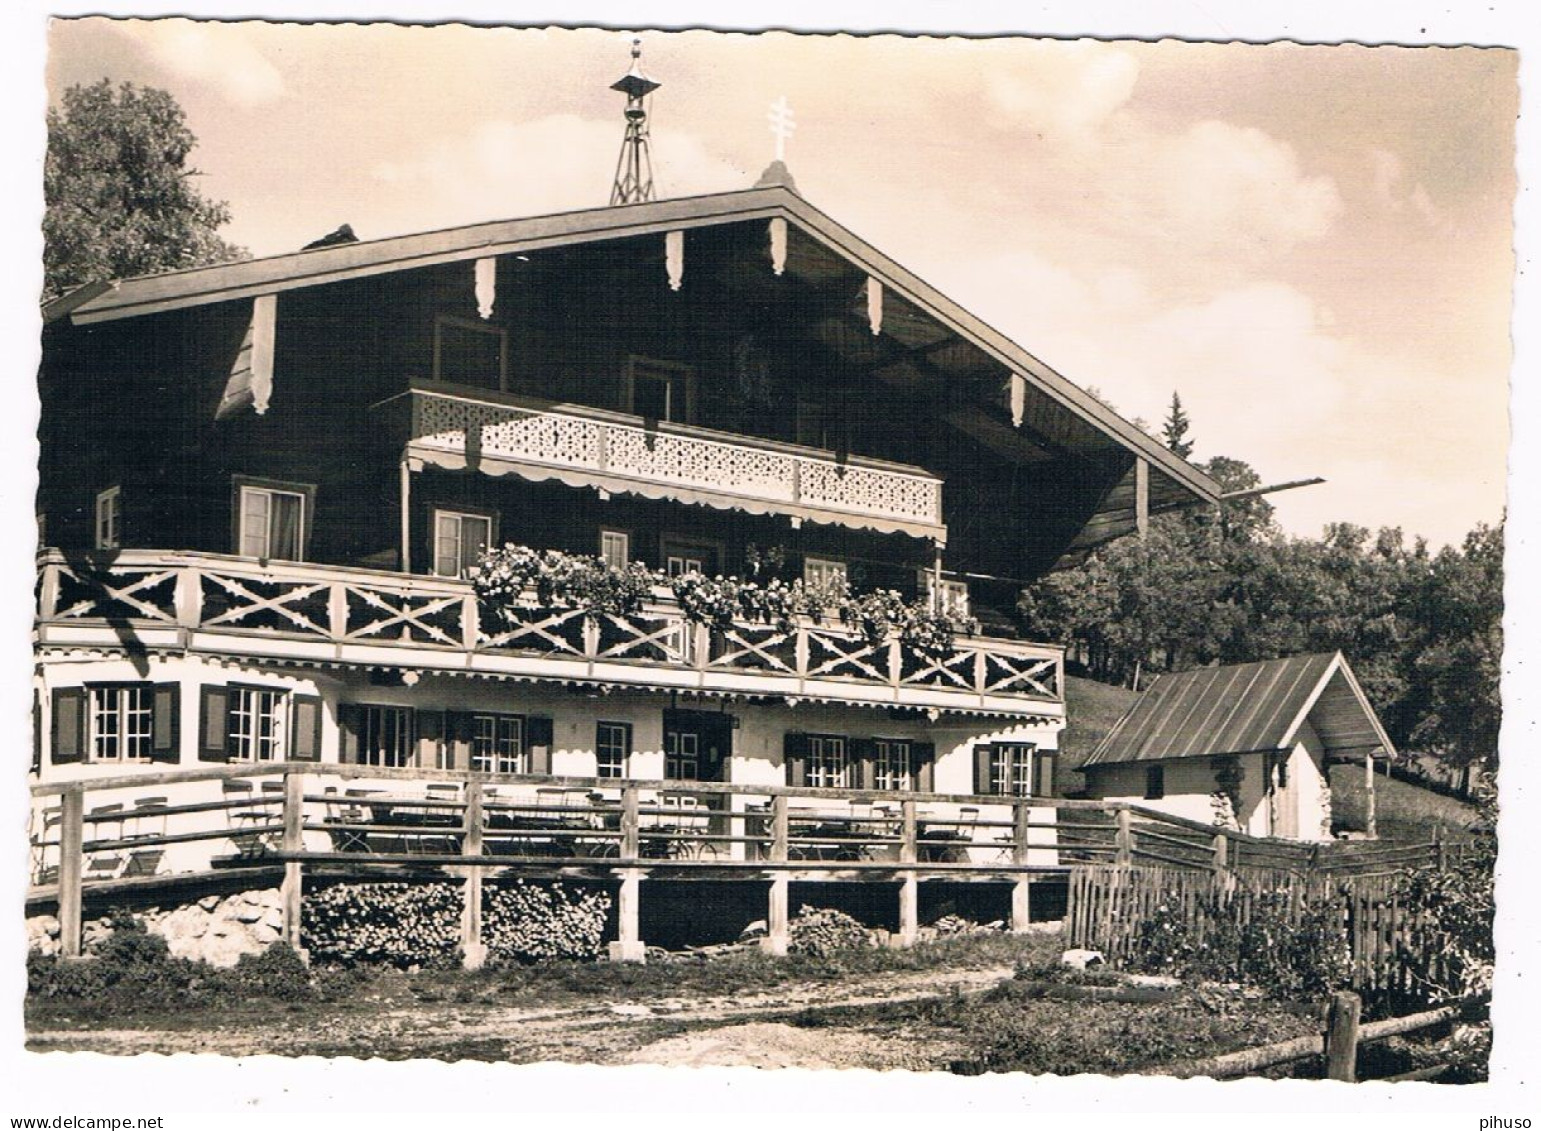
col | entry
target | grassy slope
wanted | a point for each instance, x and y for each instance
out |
(1091, 709)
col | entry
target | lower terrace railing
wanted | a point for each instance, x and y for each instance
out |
(295, 611)
(106, 836)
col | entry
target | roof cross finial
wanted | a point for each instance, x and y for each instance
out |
(782, 125)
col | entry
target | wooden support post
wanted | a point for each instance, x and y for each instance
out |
(1342, 1044)
(1141, 497)
(1021, 905)
(1123, 842)
(631, 824)
(909, 911)
(908, 833)
(72, 813)
(406, 512)
(1369, 796)
(629, 946)
(1222, 852)
(777, 933)
(294, 842)
(472, 950)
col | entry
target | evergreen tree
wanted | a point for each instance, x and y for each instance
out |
(1174, 429)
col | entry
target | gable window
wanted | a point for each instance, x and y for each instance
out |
(467, 352)
(892, 764)
(1155, 783)
(826, 761)
(656, 390)
(823, 573)
(255, 724)
(459, 540)
(612, 748)
(497, 743)
(122, 722)
(615, 548)
(109, 519)
(272, 519)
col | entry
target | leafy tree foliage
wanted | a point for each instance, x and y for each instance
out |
(1224, 585)
(119, 198)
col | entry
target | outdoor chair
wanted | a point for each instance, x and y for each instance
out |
(44, 843)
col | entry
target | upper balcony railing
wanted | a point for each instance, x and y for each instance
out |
(335, 614)
(660, 459)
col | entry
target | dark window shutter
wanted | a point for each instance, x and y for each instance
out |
(430, 738)
(37, 736)
(350, 721)
(1043, 773)
(982, 754)
(215, 727)
(458, 729)
(167, 702)
(923, 759)
(795, 754)
(306, 716)
(858, 752)
(69, 725)
(539, 731)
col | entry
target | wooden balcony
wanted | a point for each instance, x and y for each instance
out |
(293, 611)
(588, 447)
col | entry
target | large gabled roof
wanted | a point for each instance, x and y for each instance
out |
(1245, 708)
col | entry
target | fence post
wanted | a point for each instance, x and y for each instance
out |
(629, 946)
(777, 932)
(473, 951)
(1222, 853)
(909, 891)
(1342, 1046)
(72, 811)
(294, 842)
(1441, 851)
(631, 824)
(1123, 841)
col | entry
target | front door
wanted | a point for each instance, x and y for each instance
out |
(697, 745)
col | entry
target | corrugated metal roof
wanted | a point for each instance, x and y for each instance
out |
(1242, 708)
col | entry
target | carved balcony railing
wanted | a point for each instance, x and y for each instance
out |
(236, 606)
(591, 447)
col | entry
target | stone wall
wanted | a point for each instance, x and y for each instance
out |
(214, 929)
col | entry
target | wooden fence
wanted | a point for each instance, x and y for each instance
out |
(1338, 1046)
(1392, 947)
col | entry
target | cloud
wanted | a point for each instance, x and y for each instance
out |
(551, 164)
(1063, 91)
(1390, 189)
(219, 56)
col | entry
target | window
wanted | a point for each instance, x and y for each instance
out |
(1014, 769)
(1155, 783)
(823, 572)
(459, 540)
(122, 721)
(385, 736)
(615, 548)
(947, 596)
(497, 744)
(682, 556)
(272, 521)
(656, 390)
(892, 764)
(470, 353)
(255, 724)
(826, 761)
(612, 747)
(109, 519)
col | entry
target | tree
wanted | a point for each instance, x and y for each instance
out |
(1174, 429)
(118, 195)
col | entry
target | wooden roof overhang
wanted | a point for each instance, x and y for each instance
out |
(1015, 407)
(1247, 709)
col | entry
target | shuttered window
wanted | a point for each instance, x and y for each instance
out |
(827, 763)
(109, 519)
(498, 744)
(272, 523)
(1013, 769)
(256, 723)
(459, 540)
(121, 722)
(893, 765)
(612, 749)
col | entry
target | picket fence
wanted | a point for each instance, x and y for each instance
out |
(1392, 947)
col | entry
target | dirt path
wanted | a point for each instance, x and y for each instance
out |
(737, 1030)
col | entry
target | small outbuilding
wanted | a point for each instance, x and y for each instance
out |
(1244, 746)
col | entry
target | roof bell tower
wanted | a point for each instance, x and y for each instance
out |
(634, 169)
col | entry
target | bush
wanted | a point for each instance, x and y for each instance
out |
(821, 931)
(277, 974)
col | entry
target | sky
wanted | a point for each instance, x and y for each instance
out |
(1311, 245)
